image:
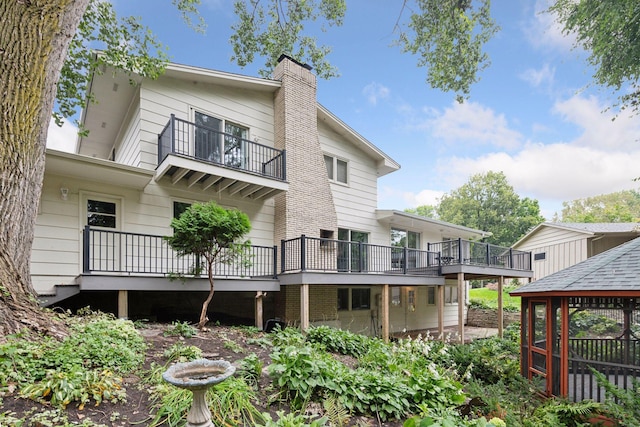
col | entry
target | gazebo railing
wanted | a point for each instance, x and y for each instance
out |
(583, 384)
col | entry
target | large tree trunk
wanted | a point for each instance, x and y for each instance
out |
(34, 38)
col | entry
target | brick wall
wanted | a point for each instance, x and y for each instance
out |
(484, 318)
(308, 206)
(323, 303)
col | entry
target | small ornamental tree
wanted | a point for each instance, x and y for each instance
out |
(214, 233)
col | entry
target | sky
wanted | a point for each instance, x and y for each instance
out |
(534, 115)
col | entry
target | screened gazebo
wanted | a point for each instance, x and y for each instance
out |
(581, 318)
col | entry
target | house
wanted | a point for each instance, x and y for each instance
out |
(558, 245)
(582, 318)
(322, 253)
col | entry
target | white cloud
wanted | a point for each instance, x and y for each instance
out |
(62, 138)
(424, 197)
(374, 92)
(600, 130)
(544, 32)
(539, 78)
(471, 122)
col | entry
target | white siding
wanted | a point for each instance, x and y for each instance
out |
(356, 201)
(57, 247)
(562, 249)
(159, 99)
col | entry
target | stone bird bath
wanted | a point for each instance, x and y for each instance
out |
(197, 376)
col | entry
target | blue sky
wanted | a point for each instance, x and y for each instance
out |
(533, 115)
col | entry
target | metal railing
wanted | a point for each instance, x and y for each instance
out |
(108, 251)
(219, 148)
(327, 255)
(467, 252)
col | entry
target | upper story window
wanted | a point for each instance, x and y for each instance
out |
(336, 169)
(101, 213)
(220, 141)
(540, 256)
(179, 208)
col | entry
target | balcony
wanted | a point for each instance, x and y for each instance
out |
(131, 254)
(208, 159)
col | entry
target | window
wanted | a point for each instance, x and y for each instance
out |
(404, 239)
(351, 255)
(450, 294)
(540, 256)
(336, 169)
(101, 214)
(215, 145)
(411, 300)
(179, 208)
(343, 298)
(431, 295)
(395, 296)
(360, 299)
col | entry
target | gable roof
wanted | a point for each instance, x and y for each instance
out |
(587, 228)
(116, 91)
(614, 271)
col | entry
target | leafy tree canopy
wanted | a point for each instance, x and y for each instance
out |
(488, 202)
(608, 30)
(427, 211)
(622, 206)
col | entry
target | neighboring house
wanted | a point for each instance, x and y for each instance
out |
(322, 252)
(585, 317)
(557, 245)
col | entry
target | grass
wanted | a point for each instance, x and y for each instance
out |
(488, 298)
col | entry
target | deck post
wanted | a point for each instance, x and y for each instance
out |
(384, 302)
(500, 307)
(123, 304)
(440, 302)
(258, 310)
(304, 307)
(461, 306)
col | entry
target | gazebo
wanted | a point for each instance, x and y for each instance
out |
(581, 318)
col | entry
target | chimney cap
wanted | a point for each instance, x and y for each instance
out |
(284, 55)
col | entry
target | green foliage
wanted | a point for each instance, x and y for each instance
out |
(180, 352)
(488, 202)
(448, 36)
(622, 405)
(339, 340)
(76, 385)
(622, 206)
(389, 382)
(55, 417)
(292, 420)
(488, 360)
(233, 346)
(250, 368)
(180, 329)
(427, 211)
(84, 366)
(564, 414)
(211, 231)
(608, 31)
(488, 298)
(585, 323)
(276, 27)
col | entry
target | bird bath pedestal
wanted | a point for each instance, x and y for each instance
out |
(197, 376)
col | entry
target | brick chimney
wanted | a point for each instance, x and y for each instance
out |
(308, 206)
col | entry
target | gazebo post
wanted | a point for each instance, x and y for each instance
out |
(564, 346)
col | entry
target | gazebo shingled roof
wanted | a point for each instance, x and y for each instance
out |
(617, 269)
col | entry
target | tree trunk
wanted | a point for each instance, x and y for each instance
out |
(34, 38)
(205, 304)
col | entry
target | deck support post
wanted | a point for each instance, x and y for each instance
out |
(500, 307)
(304, 307)
(123, 304)
(461, 306)
(440, 302)
(384, 309)
(258, 310)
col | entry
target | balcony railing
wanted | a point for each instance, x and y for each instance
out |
(327, 255)
(107, 251)
(466, 252)
(221, 149)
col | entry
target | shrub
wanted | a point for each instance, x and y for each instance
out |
(181, 329)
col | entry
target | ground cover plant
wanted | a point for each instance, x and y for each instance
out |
(326, 377)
